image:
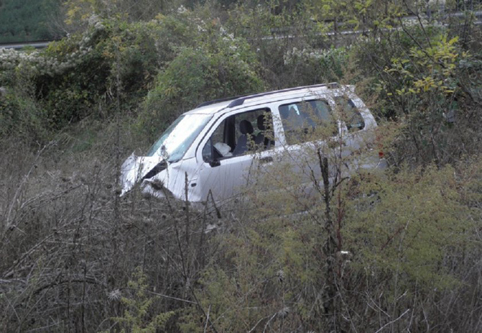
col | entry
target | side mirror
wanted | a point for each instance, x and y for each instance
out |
(215, 155)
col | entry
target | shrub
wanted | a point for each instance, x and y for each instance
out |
(136, 316)
(216, 67)
(398, 244)
(81, 76)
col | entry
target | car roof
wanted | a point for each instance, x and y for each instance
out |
(215, 106)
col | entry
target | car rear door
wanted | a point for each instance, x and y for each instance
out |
(310, 131)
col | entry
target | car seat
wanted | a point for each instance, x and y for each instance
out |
(246, 129)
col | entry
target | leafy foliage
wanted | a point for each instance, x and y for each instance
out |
(136, 315)
(424, 78)
(81, 76)
(216, 67)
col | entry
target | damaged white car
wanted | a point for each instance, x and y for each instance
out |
(212, 151)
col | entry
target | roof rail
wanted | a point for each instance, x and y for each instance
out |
(333, 85)
(239, 100)
(219, 100)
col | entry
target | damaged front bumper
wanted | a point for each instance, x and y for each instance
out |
(137, 169)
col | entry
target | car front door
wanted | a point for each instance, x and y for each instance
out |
(230, 154)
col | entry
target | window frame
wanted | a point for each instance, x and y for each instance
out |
(356, 110)
(230, 119)
(328, 100)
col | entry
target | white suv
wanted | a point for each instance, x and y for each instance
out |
(212, 151)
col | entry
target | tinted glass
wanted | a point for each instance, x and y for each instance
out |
(307, 121)
(349, 114)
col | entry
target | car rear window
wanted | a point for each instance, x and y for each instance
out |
(349, 114)
(307, 121)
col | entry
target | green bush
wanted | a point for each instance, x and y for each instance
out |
(137, 317)
(20, 116)
(311, 66)
(287, 44)
(425, 79)
(85, 75)
(215, 68)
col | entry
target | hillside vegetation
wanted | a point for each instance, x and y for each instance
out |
(23, 20)
(393, 251)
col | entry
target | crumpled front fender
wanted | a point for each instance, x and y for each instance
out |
(134, 169)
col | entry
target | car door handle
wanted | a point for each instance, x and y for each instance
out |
(267, 159)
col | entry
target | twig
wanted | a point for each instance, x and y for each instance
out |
(393, 321)
(202, 310)
(259, 321)
(172, 297)
(207, 319)
(24, 180)
(270, 319)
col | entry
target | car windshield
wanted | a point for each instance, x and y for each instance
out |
(175, 141)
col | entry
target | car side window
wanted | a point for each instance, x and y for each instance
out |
(215, 147)
(240, 134)
(307, 121)
(349, 114)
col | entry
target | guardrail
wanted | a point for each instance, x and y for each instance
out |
(343, 32)
(280, 34)
(19, 46)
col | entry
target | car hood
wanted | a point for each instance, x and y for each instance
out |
(135, 168)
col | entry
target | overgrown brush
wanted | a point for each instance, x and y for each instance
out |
(405, 256)
(69, 244)
(397, 251)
